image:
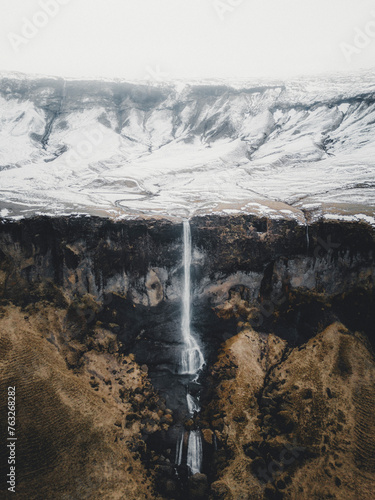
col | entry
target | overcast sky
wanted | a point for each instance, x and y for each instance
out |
(167, 39)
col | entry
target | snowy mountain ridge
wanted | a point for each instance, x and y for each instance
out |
(127, 149)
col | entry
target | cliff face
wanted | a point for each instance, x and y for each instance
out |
(284, 313)
(279, 276)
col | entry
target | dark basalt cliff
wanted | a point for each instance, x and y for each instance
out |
(284, 314)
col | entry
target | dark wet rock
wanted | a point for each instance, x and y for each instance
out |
(271, 493)
(198, 487)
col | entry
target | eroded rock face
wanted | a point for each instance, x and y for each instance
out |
(285, 322)
(261, 266)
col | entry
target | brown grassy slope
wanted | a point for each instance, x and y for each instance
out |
(296, 424)
(75, 427)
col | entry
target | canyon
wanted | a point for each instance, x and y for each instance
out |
(222, 357)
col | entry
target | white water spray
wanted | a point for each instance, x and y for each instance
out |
(193, 404)
(195, 452)
(179, 449)
(192, 358)
(307, 237)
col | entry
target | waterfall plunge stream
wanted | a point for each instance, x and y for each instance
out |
(192, 361)
(192, 358)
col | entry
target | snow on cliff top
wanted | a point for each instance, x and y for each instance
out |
(121, 149)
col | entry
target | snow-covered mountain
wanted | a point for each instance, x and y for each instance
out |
(119, 149)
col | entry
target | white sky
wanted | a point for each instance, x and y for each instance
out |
(137, 39)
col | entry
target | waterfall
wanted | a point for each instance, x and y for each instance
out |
(192, 358)
(179, 449)
(195, 452)
(192, 404)
(215, 442)
(307, 237)
(192, 361)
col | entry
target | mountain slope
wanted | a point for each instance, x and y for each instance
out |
(118, 148)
